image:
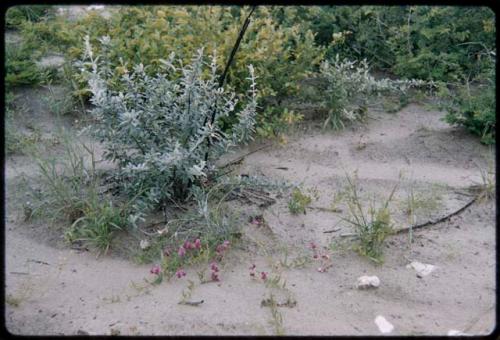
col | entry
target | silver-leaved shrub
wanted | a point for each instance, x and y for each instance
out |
(158, 129)
(349, 85)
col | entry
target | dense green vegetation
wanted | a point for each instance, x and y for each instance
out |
(452, 46)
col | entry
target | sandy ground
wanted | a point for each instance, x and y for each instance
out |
(52, 289)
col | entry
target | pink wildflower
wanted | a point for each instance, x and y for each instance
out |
(215, 276)
(214, 267)
(312, 245)
(219, 249)
(155, 270)
(180, 273)
(253, 266)
(263, 275)
(225, 244)
(197, 243)
(188, 245)
(182, 251)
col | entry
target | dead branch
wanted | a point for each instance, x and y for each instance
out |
(241, 158)
(425, 224)
(191, 303)
(439, 220)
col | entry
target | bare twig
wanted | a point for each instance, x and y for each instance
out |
(226, 69)
(425, 224)
(241, 158)
(191, 303)
(439, 220)
(333, 210)
(38, 261)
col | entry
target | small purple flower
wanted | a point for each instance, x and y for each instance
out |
(263, 276)
(214, 267)
(187, 245)
(180, 273)
(253, 266)
(182, 251)
(225, 244)
(197, 243)
(215, 276)
(312, 245)
(155, 270)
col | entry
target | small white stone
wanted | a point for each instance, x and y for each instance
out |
(144, 244)
(383, 325)
(422, 269)
(366, 282)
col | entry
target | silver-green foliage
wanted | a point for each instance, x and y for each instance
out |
(157, 129)
(349, 86)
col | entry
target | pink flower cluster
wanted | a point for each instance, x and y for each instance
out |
(263, 275)
(324, 258)
(180, 273)
(215, 271)
(156, 269)
(221, 248)
(189, 246)
(257, 220)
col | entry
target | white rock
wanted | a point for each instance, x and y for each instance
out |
(422, 269)
(144, 244)
(454, 332)
(366, 282)
(383, 325)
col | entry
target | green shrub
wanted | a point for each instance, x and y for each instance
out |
(348, 87)
(159, 129)
(20, 66)
(439, 43)
(17, 15)
(475, 110)
(281, 54)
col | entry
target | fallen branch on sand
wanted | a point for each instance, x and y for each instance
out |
(425, 224)
(241, 158)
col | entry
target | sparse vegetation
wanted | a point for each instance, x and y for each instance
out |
(276, 316)
(299, 201)
(372, 226)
